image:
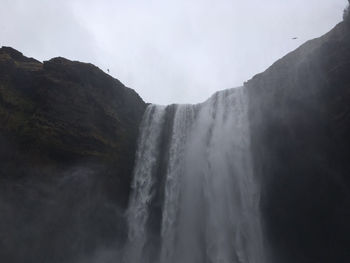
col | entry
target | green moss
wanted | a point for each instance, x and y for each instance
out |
(15, 110)
(14, 98)
(4, 57)
(41, 124)
(30, 66)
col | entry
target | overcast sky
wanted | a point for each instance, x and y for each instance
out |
(168, 50)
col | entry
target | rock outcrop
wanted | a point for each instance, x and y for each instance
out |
(68, 135)
(300, 123)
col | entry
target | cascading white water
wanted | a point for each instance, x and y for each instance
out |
(195, 198)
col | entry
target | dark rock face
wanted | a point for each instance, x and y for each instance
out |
(68, 134)
(67, 109)
(300, 118)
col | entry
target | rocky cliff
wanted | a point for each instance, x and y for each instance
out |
(300, 123)
(68, 134)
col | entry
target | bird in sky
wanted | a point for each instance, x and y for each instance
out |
(108, 70)
(294, 38)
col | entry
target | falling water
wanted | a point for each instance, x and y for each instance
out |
(195, 199)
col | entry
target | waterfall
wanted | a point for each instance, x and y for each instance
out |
(194, 196)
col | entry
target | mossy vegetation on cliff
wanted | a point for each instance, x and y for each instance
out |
(68, 135)
(66, 108)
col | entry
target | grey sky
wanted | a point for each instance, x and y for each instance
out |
(168, 50)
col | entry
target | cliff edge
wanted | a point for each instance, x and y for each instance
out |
(68, 134)
(300, 124)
